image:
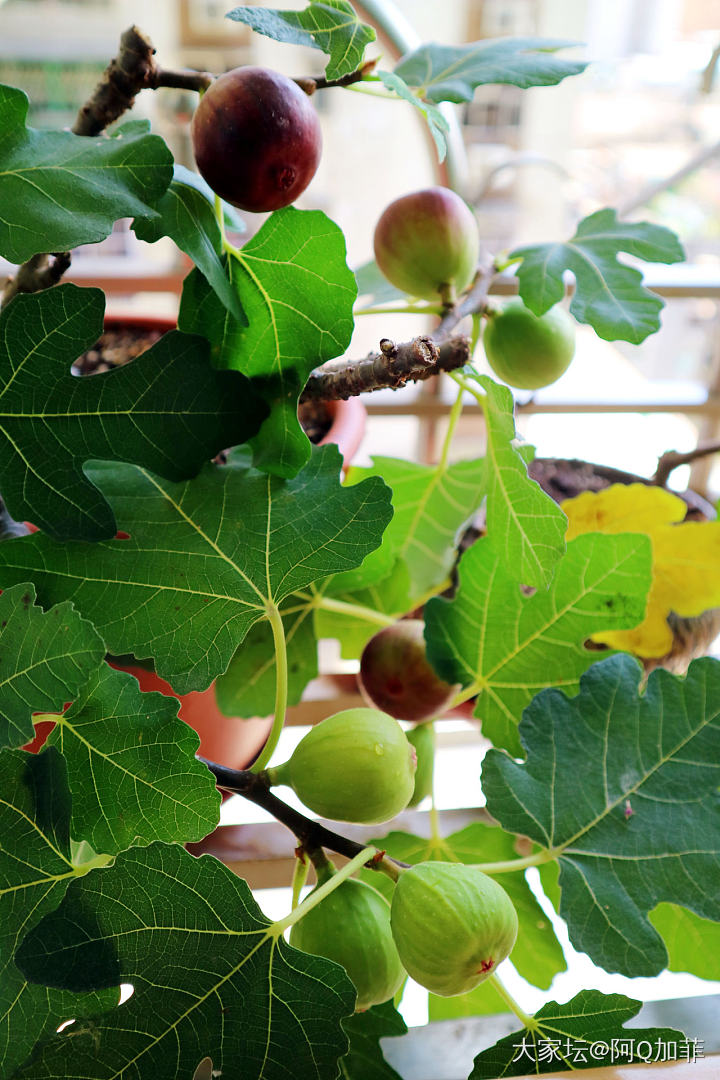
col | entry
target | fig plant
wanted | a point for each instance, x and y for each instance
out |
(229, 567)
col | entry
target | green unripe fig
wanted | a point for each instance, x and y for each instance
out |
(354, 766)
(397, 677)
(427, 244)
(526, 350)
(422, 738)
(256, 139)
(352, 927)
(452, 925)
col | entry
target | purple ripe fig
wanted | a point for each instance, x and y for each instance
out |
(427, 244)
(396, 676)
(256, 139)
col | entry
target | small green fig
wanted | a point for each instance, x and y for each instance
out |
(452, 925)
(396, 675)
(526, 350)
(354, 766)
(422, 738)
(427, 244)
(352, 927)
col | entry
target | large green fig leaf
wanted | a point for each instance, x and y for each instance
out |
(609, 294)
(168, 410)
(185, 215)
(132, 768)
(297, 293)
(59, 190)
(248, 686)
(525, 527)
(365, 1059)
(585, 1033)
(45, 659)
(506, 646)
(204, 559)
(329, 25)
(35, 869)
(212, 977)
(431, 504)
(622, 789)
(537, 954)
(453, 72)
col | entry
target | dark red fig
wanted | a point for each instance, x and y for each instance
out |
(396, 676)
(256, 139)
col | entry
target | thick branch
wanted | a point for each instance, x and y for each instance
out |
(671, 459)
(311, 834)
(39, 272)
(412, 361)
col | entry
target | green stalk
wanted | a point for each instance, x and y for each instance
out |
(318, 895)
(281, 688)
(300, 873)
(525, 1019)
(509, 866)
(357, 611)
(407, 309)
(455, 414)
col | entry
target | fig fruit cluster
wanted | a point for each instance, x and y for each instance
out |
(354, 766)
(352, 927)
(427, 244)
(256, 139)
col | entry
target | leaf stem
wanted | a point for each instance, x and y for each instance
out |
(525, 1019)
(406, 309)
(319, 894)
(453, 418)
(300, 873)
(358, 611)
(281, 688)
(509, 866)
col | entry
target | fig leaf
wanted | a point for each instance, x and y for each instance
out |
(622, 846)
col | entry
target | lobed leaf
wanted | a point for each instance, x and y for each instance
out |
(297, 294)
(507, 647)
(212, 977)
(203, 558)
(35, 870)
(132, 768)
(631, 811)
(525, 527)
(365, 1060)
(609, 294)
(328, 25)
(45, 659)
(453, 72)
(585, 1033)
(168, 410)
(59, 190)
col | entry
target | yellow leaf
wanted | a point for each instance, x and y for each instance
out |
(686, 558)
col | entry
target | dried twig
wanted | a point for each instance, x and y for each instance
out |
(671, 459)
(411, 361)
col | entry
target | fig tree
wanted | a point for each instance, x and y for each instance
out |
(354, 766)
(427, 244)
(256, 139)
(422, 738)
(452, 925)
(396, 676)
(352, 927)
(526, 350)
